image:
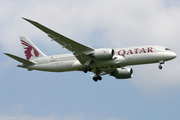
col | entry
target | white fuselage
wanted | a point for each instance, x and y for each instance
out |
(122, 57)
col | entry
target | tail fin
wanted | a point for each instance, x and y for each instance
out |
(30, 50)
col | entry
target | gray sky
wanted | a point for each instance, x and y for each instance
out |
(150, 94)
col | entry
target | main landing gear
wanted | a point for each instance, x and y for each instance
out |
(160, 64)
(96, 78)
(85, 70)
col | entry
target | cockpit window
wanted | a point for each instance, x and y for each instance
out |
(167, 49)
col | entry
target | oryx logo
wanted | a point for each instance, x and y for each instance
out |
(30, 50)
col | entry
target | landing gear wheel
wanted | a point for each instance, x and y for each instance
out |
(89, 69)
(99, 78)
(160, 64)
(160, 67)
(95, 79)
(84, 70)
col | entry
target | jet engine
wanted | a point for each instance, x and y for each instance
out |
(123, 73)
(103, 54)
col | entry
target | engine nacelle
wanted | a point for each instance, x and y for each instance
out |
(123, 73)
(104, 54)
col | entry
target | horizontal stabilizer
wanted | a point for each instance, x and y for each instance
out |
(19, 59)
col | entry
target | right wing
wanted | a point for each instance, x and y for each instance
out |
(79, 50)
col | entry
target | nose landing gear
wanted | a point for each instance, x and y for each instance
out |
(160, 64)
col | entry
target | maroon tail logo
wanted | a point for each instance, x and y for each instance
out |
(29, 49)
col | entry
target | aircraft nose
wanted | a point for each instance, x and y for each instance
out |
(174, 55)
(170, 55)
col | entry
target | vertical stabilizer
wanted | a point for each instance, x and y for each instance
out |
(30, 50)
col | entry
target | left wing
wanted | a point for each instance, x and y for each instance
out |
(21, 60)
(80, 51)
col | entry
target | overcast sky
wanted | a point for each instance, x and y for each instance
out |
(151, 94)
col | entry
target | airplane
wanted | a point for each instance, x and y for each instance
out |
(87, 59)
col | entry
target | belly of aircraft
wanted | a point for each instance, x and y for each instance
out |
(60, 66)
